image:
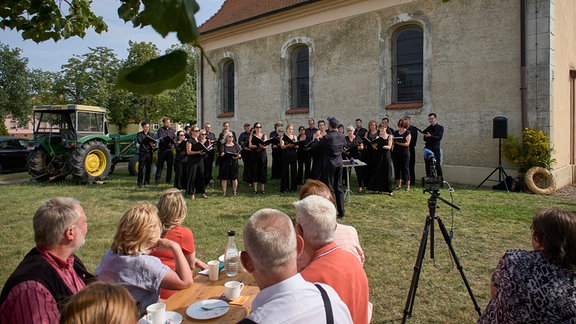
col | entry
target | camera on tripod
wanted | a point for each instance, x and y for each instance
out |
(432, 182)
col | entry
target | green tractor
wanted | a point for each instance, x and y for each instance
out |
(73, 140)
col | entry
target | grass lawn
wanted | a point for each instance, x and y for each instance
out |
(390, 230)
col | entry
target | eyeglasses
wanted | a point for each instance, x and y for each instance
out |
(181, 135)
(196, 130)
(258, 127)
(203, 134)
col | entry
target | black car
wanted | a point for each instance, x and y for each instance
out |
(13, 153)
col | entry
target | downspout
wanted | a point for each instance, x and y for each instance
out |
(200, 85)
(523, 108)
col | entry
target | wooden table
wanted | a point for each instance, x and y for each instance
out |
(203, 289)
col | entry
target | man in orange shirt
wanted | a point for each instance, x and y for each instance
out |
(316, 222)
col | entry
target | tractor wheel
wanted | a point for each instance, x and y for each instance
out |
(36, 164)
(133, 165)
(91, 162)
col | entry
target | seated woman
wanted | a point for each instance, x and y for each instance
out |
(172, 212)
(128, 264)
(100, 303)
(538, 286)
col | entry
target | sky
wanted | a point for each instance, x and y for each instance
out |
(50, 55)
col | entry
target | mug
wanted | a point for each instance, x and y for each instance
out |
(233, 289)
(156, 313)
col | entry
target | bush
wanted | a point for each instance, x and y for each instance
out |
(533, 151)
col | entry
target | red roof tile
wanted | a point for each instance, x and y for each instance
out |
(237, 11)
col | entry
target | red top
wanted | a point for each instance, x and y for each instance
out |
(342, 271)
(184, 237)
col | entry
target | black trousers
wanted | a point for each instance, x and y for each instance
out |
(307, 164)
(332, 177)
(289, 174)
(412, 164)
(247, 173)
(144, 167)
(168, 157)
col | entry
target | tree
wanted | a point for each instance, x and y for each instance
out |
(43, 88)
(126, 107)
(89, 78)
(14, 84)
(43, 20)
(181, 103)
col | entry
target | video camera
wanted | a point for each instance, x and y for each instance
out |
(433, 181)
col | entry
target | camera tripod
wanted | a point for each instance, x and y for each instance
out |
(429, 229)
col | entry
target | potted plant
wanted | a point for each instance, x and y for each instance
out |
(533, 157)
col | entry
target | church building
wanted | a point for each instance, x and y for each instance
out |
(467, 61)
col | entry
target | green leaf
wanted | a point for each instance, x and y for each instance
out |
(153, 77)
(167, 16)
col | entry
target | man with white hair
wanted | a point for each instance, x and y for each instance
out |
(50, 273)
(271, 247)
(316, 223)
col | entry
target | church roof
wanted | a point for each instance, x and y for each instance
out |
(235, 12)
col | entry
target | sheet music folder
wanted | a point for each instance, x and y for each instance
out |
(380, 141)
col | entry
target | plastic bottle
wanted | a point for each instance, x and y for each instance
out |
(231, 256)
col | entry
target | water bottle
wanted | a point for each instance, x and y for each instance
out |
(231, 256)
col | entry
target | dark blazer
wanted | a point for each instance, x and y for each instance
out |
(331, 145)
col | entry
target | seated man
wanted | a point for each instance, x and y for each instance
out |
(345, 236)
(285, 297)
(49, 273)
(316, 221)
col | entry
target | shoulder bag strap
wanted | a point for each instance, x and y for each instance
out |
(327, 305)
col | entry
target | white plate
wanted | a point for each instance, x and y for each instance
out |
(221, 258)
(196, 312)
(171, 318)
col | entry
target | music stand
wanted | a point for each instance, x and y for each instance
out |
(499, 168)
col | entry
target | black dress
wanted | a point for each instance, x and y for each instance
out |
(301, 155)
(381, 179)
(368, 155)
(288, 172)
(195, 168)
(181, 176)
(402, 158)
(228, 165)
(259, 163)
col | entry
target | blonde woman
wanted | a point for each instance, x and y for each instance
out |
(172, 211)
(229, 155)
(100, 303)
(127, 262)
(289, 174)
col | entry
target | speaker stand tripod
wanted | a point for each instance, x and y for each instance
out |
(501, 173)
(429, 228)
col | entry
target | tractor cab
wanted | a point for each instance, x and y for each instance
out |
(68, 124)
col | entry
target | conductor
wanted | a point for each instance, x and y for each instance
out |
(330, 146)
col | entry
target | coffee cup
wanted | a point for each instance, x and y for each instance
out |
(233, 289)
(156, 313)
(213, 269)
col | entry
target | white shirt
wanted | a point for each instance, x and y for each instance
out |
(295, 300)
